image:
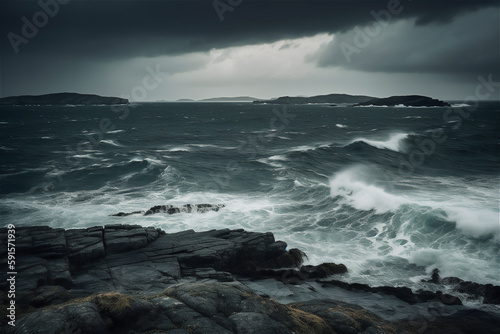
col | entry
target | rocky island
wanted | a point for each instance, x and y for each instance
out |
(407, 101)
(330, 98)
(62, 99)
(133, 279)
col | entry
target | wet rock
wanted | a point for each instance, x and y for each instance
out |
(171, 209)
(344, 317)
(297, 276)
(85, 245)
(190, 307)
(134, 259)
(403, 293)
(127, 278)
(323, 270)
(488, 293)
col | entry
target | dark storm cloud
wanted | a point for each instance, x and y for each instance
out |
(103, 46)
(124, 29)
(469, 45)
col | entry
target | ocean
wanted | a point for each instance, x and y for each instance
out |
(390, 192)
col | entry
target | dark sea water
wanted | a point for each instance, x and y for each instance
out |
(390, 192)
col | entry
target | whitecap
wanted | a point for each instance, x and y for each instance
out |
(278, 157)
(394, 143)
(341, 126)
(476, 222)
(84, 156)
(355, 186)
(111, 142)
(179, 149)
(302, 148)
(268, 162)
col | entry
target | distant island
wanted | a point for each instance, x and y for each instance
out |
(407, 101)
(330, 98)
(62, 99)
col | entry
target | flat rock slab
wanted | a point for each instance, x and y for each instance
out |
(133, 259)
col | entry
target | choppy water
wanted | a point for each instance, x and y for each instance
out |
(390, 192)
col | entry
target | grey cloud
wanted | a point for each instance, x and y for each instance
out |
(468, 45)
(123, 29)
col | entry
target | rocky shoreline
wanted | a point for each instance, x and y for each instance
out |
(134, 279)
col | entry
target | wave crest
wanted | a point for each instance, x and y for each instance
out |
(394, 143)
(355, 185)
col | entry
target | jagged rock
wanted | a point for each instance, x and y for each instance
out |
(323, 270)
(489, 293)
(344, 317)
(294, 276)
(123, 278)
(186, 308)
(133, 259)
(403, 293)
(209, 273)
(123, 214)
(170, 209)
(85, 245)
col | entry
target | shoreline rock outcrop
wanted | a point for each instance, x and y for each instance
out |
(171, 209)
(133, 279)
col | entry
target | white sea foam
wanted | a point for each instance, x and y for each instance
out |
(460, 105)
(111, 142)
(84, 156)
(270, 162)
(355, 186)
(278, 158)
(454, 263)
(115, 131)
(178, 149)
(475, 222)
(341, 126)
(394, 143)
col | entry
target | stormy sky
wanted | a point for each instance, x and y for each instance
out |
(167, 50)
